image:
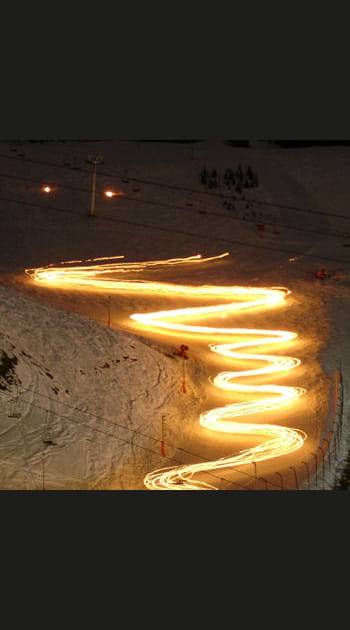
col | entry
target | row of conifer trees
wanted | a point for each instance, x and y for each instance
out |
(237, 179)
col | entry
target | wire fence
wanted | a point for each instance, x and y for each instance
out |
(320, 471)
(330, 452)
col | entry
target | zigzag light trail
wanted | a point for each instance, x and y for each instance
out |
(282, 440)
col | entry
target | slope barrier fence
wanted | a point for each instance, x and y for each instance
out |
(320, 471)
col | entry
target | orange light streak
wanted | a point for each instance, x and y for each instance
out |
(282, 440)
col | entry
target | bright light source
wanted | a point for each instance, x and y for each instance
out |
(113, 193)
(46, 189)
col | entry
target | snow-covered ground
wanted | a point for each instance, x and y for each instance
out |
(84, 405)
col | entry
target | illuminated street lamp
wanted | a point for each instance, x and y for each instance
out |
(47, 189)
(94, 160)
(113, 193)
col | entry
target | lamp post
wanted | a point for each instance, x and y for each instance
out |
(94, 160)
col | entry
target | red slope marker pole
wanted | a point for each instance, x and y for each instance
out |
(109, 311)
(183, 376)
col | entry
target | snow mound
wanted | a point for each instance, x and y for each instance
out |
(82, 404)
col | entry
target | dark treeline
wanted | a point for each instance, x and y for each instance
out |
(288, 144)
(310, 143)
